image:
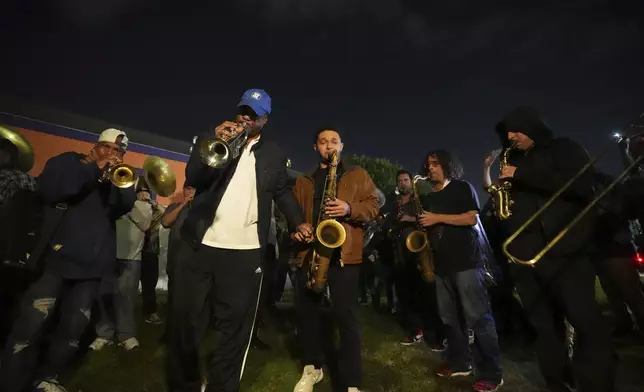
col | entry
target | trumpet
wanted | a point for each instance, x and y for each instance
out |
(156, 172)
(563, 232)
(120, 175)
(219, 152)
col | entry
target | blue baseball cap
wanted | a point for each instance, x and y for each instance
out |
(257, 100)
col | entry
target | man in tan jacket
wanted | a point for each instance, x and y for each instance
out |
(356, 203)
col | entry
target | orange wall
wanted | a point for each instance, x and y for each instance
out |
(46, 146)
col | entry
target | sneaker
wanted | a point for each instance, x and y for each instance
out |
(470, 336)
(439, 347)
(99, 343)
(353, 389)
(411, 340)
(446, 372)
(153, 319)
(310, 377)
(49, 385)
(487, 386)
(130, 344)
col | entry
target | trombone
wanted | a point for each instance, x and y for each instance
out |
(562, 233)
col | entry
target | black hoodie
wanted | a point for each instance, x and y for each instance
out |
(541, 172)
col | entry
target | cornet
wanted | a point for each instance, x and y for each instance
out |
(219, 152)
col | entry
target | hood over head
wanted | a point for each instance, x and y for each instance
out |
(527, 120)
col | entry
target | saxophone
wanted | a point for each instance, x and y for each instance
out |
(417, 241)
(501, 192)
(329, 233)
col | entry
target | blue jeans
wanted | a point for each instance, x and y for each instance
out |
(117, 301)
(463, 304)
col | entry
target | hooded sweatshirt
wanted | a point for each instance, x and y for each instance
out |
(540, 173)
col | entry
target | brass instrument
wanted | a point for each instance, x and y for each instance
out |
(25, 150)
(156, 173)
(157, 215)
(501, 192)
(417, 241)
(219, 152)
(120, 175)
(329, 233)
(562, 233)
(159, 176)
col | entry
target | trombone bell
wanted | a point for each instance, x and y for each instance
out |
(331, 233)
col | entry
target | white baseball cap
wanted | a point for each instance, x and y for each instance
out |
(111, 135)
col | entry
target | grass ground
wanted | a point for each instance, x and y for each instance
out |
(388, 366)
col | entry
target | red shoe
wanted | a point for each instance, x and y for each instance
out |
(446, 372)
(487, 386)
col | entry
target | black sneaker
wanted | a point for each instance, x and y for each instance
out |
(439, 347)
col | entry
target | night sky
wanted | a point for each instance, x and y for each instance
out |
(396, 77)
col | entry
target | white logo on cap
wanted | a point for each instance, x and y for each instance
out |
(256, 95)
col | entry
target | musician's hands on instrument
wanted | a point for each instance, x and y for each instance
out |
(337, 208)
(109, 160)
(507, 172)
(303, 233)
(428, 219)
(188, 195)
(228, 129)
(489, 160)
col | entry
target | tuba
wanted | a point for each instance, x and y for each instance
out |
(501, 192)
(25, 150)
(330, 234)
(417, 241)
(219, 152)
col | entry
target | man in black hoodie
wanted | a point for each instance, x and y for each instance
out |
(81, 251)
(562, 284)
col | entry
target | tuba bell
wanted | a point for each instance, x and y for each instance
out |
(25, 151)
(219, 152)
(159, 176)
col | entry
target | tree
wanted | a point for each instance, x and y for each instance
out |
(382, 170)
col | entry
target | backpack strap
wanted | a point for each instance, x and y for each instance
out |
(50, 223)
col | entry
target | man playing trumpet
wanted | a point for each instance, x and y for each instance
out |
(356, 203)
(81, 251)
(219, 260)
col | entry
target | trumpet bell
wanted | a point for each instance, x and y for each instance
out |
(122, 175)
(25, 150)
(215, 153)
(416, 241)
(159, 176)
(331, 233)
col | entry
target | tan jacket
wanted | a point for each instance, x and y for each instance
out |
(356, 188)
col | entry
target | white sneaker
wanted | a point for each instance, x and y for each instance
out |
(310, 377)
(50, 386)
(130, 344)
(353, 389)
(99, 343)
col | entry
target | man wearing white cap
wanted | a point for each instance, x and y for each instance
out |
(219, 261)
(81, 250)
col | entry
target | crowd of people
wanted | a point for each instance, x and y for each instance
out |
(241, 229)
